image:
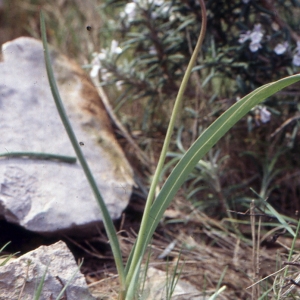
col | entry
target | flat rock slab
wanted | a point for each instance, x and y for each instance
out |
(51, 197)
(20, 278)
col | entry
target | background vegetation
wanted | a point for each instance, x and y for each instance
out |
(248, 44)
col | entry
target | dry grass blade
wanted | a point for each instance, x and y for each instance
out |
(294, 284)
(255, 251)
(140, 154)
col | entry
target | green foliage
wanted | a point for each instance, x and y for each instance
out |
(6, 258)
(39, 290)
(247, 45)
(155, 39)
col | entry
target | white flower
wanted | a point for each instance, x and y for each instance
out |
(94, 71)
(119, 84)
(114, 47)
(152, 51)
(265, 115)
(130, 10)
(105, 75)
(165, 9)
(145, 3)
(104, 55)
(281, 48)
(96, 65)
(158, 2)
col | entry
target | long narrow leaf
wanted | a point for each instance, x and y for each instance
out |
(7, 258)
(108, 224)
(4, 246)
(280, 219)
(39, 290)
(41, 156)
(203, 144)
(137, 250)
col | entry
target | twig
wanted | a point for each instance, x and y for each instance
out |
(284, 124)
(144, 159)
(63, 285)
(259, 281)
(295, 282)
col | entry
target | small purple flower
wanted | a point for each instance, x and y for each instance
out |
(298, 47)
(152, 51)
(296, 57)
(254, 46)
(296, 60)
(255, 36)
(257, 27)
(281, 48)
(265, 115)
(244, 37)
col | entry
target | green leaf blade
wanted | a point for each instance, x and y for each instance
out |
(204, 143)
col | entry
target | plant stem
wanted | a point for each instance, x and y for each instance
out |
(138, 251)
(108, 223)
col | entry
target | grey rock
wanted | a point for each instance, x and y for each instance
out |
(157, 282)
(51, 197)
(23, 275)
